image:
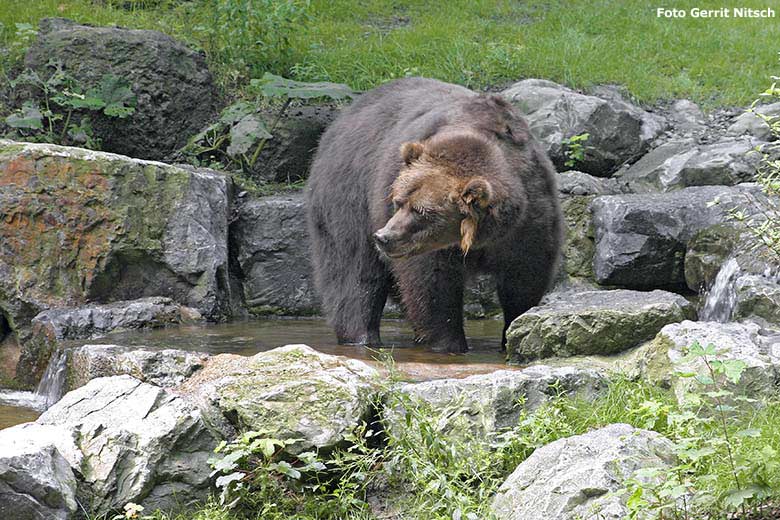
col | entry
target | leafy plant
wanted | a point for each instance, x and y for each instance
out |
(240, 134)
(705, 438)
(575, 149)
(252, 36)
(49, 115)
(257, 474)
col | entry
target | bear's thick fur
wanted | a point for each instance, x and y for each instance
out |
(422, 183)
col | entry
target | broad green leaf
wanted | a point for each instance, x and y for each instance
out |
(29, 117)
(236, 112)
(750, 432)
(226, 480)
(285, 468)
(115, 93)
(246, 134)
(733, 369)
(267, 446)
(274, 86)
(737, 497)
(228, 463)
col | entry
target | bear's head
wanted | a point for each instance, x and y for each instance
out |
(454, 189)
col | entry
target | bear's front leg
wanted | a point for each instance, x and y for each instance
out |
(431, 287)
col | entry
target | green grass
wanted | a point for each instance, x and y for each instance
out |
(482, 43)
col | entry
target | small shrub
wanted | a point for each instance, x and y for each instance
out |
(575, 149)
(58, 109)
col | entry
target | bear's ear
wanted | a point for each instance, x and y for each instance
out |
(477, 194)
(411, 152)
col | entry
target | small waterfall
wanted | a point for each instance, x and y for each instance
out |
(721, 299)
(19, 399)
(52, 385)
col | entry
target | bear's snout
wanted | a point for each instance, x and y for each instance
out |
(388, 243)
(381, 238)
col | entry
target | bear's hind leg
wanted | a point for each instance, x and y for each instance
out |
(431, 287)
(357, 303)
(517, 292)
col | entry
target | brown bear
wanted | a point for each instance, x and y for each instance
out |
(421, 184)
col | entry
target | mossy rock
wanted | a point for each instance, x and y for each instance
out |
(291, 392)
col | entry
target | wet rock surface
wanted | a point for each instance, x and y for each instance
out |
(272, 249)
(171, 83)
(51, 328)
(577, 478)
(592, 322)
(164, 368)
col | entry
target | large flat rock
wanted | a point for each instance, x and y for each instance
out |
(486, 404)
(36, 481)
(50, 329)
(592, 322)
(165, 368)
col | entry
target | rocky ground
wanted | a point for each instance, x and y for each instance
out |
(94, 242)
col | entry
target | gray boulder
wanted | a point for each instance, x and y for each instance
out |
(134, 443)
(291, 392)
(575, 183)
(641, 239)
(592, 322)
(164, 368)
(51, 328)
(485, 404)
(619, 132)
(752, 124)
(36, 481)
(759, 348)
(109, 229)
(580, 477)
(686, 117)
(682, 163)
(287, 156)
(92, 321)
(174, 89)
(757, 296)
(272, 249)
